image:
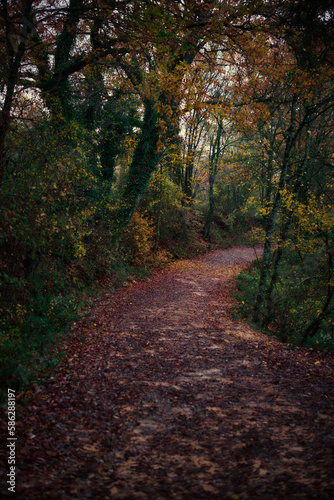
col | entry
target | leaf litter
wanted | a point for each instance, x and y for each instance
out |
(169, 397)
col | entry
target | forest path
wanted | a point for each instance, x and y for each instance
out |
(162, 395)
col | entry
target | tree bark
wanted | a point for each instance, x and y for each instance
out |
(286, 228)
(271, 223)
(215, 153)
(144, 163)
(209, 216)
(65, 42)
(15, 63)
(313, 328)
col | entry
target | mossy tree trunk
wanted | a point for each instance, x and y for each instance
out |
(144, 162)
(285, 231)
(327, 307)
(15, 58)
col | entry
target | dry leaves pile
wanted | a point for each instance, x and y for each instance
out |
(168, 397)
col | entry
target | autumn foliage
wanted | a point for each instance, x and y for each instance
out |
(130, 130)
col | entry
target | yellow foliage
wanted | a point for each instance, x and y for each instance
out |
(311, 220)
(139, 238)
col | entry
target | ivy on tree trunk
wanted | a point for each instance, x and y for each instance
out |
(144, 163)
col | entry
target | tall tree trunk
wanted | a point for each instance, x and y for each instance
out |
(55, 85)
(313, 328)
(144, 163)
(303, 166)
(64, 46)
(15, 63)
(209, 216)
(215, 154)
(188, 177)
(275, 273)
(271, 222)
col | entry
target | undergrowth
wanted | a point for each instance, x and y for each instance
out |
(297, 298)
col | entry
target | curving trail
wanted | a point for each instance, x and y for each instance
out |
(162, 395)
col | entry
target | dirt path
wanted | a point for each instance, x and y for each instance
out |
(163, 396)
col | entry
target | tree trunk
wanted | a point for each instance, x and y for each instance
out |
(188, 177)
(13, 74)
(271, 223)
(286, 229)
(313, 328)
(215, 154)
(65, 44)
(144, 163)
(275, 274)
(208, 221)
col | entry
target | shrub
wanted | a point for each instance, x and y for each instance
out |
(296, 301)
(138, 240)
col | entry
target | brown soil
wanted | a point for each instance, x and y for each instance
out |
(168, 397)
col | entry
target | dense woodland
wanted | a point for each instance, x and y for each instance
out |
(134, 132)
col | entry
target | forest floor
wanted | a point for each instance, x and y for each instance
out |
(162, 395)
